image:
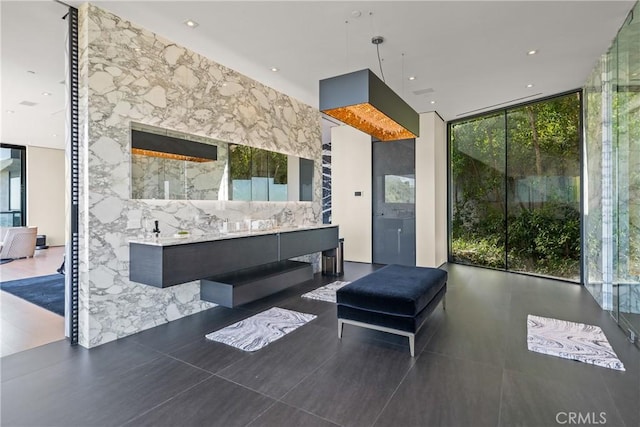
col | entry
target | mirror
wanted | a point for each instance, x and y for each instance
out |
(177, 166)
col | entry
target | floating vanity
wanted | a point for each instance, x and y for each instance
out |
(233, 268)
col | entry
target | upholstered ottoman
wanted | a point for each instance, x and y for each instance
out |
(396, 299)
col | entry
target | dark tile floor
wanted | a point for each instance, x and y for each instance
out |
(472, 368)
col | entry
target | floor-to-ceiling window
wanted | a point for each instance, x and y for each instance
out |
(515, 188)
(612, 209)
(478, 208)
(13, 200)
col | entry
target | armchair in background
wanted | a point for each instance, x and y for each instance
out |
(17, 242)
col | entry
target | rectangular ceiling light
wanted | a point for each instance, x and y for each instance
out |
(363, 101)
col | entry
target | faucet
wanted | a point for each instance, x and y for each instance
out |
(156, 229)
(208, 219)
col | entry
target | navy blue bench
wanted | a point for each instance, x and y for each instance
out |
(396, 299)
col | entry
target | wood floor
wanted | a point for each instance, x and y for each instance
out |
(24, 325)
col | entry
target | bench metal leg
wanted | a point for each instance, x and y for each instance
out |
(409, 335)
(412, 344)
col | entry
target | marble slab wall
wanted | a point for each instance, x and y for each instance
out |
(128, 74)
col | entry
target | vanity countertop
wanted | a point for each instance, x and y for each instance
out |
(173, 241)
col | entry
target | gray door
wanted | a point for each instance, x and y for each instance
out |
(394, 213)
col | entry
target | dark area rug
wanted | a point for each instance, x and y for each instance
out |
(45, 291)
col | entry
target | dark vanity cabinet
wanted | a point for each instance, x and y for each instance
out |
(233, 269)
(164, 266)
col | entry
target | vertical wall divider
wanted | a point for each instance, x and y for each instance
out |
(72, 258)
(505, 182)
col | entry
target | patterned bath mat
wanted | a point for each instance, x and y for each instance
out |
(257, 331)
(327, 292)
(570, 340)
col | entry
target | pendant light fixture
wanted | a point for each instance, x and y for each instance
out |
(167, 147)
(363, 101)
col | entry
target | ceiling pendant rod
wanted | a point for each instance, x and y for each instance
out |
(378, 40)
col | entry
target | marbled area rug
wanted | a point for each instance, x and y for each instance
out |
(326, 292)
(570, 340)
(257, 331)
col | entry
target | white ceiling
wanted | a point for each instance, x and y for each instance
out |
(468, 56)
(33, 40)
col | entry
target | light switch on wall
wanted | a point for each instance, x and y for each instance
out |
(358, 193)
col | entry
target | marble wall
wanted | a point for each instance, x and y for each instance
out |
(130, 74)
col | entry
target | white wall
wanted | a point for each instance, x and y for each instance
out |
(351, 172)
(46, 193)
(431, 191)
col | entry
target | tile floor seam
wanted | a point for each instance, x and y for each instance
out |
(164, 352)
(312, 414)
(274, 403)
(396, 389)
(140, 365)
(530, 376)
(463, 359)
(165, 401)
(303, 379)
(297, 409)
(245, 387)
(9, 381)
(189, 364)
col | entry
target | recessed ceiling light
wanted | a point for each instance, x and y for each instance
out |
(530, 85)
(190, 23)
(46, 93)
(412, 78)
(137, 49)
(275, 69)
(54, 134)
(532, 52)
(10, 111)
(356, 13)
(433, 102)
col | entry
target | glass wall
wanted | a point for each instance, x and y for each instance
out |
(13, 199)
(515, 189)
(478, 179)
(612, 213)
